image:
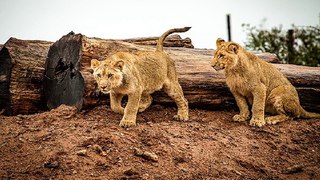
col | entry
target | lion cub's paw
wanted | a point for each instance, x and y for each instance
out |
(141, 109)
(181, 117)
(271, 121)
(257, 122)
(118, 110)
(239, 118)
(127, 123)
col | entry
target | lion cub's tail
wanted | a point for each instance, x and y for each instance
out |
(167, 33)
(306, 114)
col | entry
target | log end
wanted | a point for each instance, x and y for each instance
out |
(63, 82)
(5, 73)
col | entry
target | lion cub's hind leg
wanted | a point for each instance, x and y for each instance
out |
(145, 102)
(277, 104)
(174, 90)
(276, 119)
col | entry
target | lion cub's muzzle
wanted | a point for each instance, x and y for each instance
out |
(104, 89)
(217, 67)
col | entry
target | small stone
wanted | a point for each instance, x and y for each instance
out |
(150, 156)
(97, 148)
(51, 164)
(150, 123)
(138, 152)
(294, 169)
(82, 152)
(103, 153)
(184, 170)
(146, 155)
(130, 172)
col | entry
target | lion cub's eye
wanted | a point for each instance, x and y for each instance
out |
(99, 75)
(220, 56)
(109, 75)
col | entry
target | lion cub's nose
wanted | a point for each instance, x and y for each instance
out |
(103, 87)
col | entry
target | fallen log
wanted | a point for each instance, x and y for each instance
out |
(68, 66)
(21, 74)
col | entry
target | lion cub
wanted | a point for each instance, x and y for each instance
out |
(138, 75)
(259, 84)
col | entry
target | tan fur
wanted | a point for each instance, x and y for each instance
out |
(256, 83)
(138, 75)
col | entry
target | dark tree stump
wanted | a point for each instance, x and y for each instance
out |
(5, 74)
(21, 75)
(63, 83)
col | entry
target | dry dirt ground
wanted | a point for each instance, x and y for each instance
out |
(64, 144)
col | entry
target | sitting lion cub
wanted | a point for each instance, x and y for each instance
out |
(259, 84)
(138, 75)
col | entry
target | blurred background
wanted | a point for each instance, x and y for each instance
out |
(254, 24)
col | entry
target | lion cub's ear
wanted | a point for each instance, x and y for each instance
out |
(94, 63)
(219, 41)
(233, 48)
(119, 65)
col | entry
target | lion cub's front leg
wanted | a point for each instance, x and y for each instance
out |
(115, 102)
(243, 107)
(259, 98)
(131, 110)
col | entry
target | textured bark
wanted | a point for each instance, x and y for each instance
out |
(21, 75)
(203, 87)
(271, 58)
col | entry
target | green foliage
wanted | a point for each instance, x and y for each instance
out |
(302, 48)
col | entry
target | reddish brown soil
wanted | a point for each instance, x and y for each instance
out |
(63, 144)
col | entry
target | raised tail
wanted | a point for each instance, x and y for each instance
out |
(308, 115)
(167, 33)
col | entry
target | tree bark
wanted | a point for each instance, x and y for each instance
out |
(202, 86)
(21, 74)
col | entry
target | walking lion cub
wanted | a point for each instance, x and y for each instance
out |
(138, 75)
(254, 82)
